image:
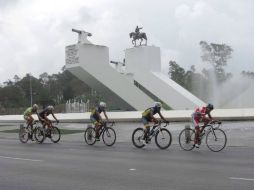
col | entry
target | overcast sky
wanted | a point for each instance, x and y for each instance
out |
(34, 33)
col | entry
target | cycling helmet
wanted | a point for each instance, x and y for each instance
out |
(210, 106)
(102, 104)
(35, 107)
(157, 104)
(51, 108)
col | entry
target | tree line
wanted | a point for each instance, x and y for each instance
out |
(56, 89)
(204, 83)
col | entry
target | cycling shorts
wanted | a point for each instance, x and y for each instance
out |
(146, 121)
(95, 120)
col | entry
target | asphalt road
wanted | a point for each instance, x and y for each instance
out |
(74, 165)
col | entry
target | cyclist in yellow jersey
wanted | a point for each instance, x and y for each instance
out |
(95, 117)
(29, 112)
(28, 116)
(148, 116)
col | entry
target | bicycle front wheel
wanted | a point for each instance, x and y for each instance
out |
(216, 140)
(39, 134)
(186, 139)
(137, 138)
(23, 135)
(163, 138)
(89, 136)
(54, 134)
(109, 136)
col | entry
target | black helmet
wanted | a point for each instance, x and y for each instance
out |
(210, 106)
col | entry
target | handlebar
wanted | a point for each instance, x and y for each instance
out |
(160, 122)
(110, 123)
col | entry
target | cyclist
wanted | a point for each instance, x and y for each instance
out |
(148, 116)
(28, 116)
(29, 112)
(95, 117)
(200, 116)
(43, 115)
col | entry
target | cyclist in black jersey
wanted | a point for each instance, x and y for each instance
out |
(148, 116)
(96, 118)
(43, 116)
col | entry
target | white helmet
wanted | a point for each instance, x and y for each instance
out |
(102, 104)
(35, 107)
(51, 108)
(157, 104)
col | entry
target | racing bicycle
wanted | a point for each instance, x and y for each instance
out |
(32, 131)
(163, 137)
(215, 137)
(107, 133)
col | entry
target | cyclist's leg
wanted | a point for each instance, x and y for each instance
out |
(97, 126)
(195, 122)
(29, 120)
(146, 128)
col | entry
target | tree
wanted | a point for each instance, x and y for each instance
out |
(217, 55)
(248, 74)
(176, 73)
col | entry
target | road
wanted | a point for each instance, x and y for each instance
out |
(74, 165)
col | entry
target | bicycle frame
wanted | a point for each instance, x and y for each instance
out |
(210, 127)
(157, 128)
(104, 127)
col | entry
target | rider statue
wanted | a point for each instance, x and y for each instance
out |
(137, 35)
(137, 30)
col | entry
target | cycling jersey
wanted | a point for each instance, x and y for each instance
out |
(95, 114)
(29, 111)
(198, 115)
(148, 113)
(46, 112)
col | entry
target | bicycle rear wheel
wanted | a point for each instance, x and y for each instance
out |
(39, 134)
(163, 138)
(23, 135)
(55, 134)
(186, 139)
(109, 136)
(89, 136)
(137, 138)
(216, 140)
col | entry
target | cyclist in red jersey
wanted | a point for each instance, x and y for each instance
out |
(200, 116)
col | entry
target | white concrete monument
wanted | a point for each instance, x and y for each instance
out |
(141, 83)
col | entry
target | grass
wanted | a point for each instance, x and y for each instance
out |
(63, 131)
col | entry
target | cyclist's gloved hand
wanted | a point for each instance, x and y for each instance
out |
(167, 122)
(57, 121)
(219, 122)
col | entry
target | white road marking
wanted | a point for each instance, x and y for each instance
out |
(25, 159)
(132, 169)
(245, 179)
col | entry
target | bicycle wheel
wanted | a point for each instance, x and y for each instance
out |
(163, 138)
(23, 135)
(54, 134)
(109, 136)
(39, 134)
(216, 140)
(137, 137)
(186, 139)
(89, 136)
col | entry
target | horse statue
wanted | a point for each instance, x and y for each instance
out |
(140, 36)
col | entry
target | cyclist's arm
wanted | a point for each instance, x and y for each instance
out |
(210, 117)
(54, 117)
(162, 117)
(105, 115)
